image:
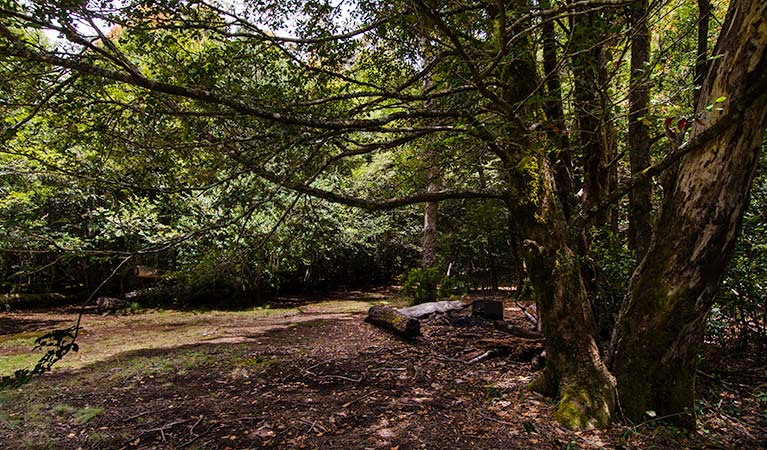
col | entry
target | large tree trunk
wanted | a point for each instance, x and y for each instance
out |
(640, 224)
(574, 370)
(660, 328)
(574, 374)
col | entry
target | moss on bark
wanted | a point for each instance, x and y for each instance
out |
(584, 406)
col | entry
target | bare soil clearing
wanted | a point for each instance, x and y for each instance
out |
(314, 375)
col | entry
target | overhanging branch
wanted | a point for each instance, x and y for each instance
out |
(376, 205)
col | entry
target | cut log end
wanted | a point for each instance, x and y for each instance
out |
(391, 319)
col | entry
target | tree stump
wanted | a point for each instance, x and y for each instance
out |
(488, 309)
(391, 319)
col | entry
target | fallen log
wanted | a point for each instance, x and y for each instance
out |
(533, 319)
(147, 272)
(506, 327)
(391, 319)
(426, 309)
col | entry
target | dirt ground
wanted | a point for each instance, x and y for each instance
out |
(315, 375)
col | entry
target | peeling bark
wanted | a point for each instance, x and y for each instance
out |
(661, 324)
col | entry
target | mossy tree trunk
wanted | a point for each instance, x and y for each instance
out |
(660, 328)
(574, 373)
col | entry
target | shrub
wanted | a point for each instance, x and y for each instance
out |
(427, 285)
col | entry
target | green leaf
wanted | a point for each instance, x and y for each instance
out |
(529, 427)
(721, 99)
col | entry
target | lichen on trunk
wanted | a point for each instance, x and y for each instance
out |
(656, 341)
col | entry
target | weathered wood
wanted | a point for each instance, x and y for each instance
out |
(488, 309)
(527, 333)
(518, 349)
(391, 319)
(426, 309)
(533, 319)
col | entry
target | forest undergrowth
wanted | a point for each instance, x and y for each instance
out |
(313, 374)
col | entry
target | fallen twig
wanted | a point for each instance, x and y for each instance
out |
(168, 426)
(347, 404)
(136, 416)
(194, 439)
(479, 358)
(493, 419)
(344, 378)
(527, 315)
(191, 430)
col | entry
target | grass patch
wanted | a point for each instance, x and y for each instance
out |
(179, 363)
(11, 363)
(257, 362)
(63, 410)
(265, 311)
(85, 415)
(348, 306)
(27, 339)
(309, 323)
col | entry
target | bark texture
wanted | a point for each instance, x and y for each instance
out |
(640, 208)
(574, 373)
(595, 133)
(391, 319)
(430, 214)
(660, 327)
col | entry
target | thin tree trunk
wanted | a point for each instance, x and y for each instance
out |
(640, 207)
(557, 133)
(430, 213)
(701, 61)
(593, 131)
(660, 328)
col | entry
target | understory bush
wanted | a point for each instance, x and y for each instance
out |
(427, 285)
